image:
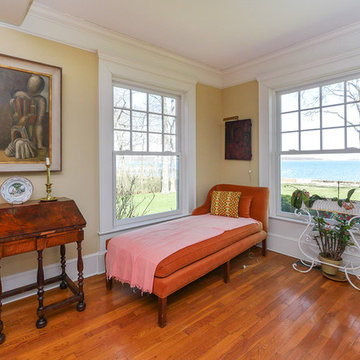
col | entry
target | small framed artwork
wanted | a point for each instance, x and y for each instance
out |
(30, 115)
(238, 140)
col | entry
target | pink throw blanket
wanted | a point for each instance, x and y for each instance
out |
(133, 257)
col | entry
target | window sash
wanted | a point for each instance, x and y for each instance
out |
(301, 132)
(178, 152)
(278, 152)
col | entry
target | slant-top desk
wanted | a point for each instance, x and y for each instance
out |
(35, 226)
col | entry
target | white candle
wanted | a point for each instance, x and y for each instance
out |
(47, 161)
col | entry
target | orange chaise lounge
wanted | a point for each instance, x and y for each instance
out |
(194, 261)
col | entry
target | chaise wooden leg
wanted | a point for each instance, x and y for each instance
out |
(109, 283)
(162, 311)
(264, 247)
(226, 269)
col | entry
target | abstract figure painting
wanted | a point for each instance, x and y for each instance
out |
(30, 115)
(238, 140)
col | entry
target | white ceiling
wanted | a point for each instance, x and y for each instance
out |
(13, 12)
(219, 33)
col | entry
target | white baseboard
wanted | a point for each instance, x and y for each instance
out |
(288, 246)
(93, 265)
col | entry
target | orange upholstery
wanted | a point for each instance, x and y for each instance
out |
(192, 262)
(244, 206)
(259, 204)
(163, 287)
(202, 249)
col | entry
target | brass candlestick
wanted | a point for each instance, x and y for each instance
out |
(48, 184)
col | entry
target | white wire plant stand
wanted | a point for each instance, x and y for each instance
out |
(309, 249)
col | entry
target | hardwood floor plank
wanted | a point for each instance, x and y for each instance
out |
(267, 311)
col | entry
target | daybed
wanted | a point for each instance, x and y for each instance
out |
(194, 261)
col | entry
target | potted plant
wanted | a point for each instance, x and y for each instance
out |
(332, 237)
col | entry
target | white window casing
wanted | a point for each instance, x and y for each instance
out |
(269, 143)
(111, 72)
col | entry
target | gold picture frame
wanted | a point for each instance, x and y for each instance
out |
(30, 115)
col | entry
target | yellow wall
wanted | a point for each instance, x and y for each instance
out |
(208, 139)
(212, 106)
(79, 177)
(241, 100)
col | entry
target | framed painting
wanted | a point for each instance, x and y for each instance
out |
(238, 140)
(30, 115)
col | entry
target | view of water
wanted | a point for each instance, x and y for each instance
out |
(321, 170)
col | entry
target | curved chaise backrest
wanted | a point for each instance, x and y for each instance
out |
(259, 205)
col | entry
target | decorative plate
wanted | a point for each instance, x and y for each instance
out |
(16, 190)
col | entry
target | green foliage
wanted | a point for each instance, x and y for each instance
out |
(126, 207)
(303, 196)
(332, 238)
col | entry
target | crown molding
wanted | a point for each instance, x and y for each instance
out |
(52, 25)
(44, 22)
(149, 69)
(320, 49)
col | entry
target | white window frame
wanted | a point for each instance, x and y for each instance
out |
(278, 132)
(269, 85)
(178, 152)
(114, 70)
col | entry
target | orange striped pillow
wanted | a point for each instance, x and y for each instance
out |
(225, 203)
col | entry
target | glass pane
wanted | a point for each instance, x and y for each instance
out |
(139, 121)
(353, 114)
(155, 123)
(290, 141)
(169, 124)
(169, 106)
(353, 137)
(289, 102)
(310, 140)
(333, 94)
(290, 121)
(121, 119)
(139, 141)
(310, 119)
(155, 142)
(139, 100)
(310, 98)
(169, 143)
(146, 185)
(319, 174)
(334, 139)
(353, 90)
(155, 103)
(121, 97)
(121, 140)
(333, 116)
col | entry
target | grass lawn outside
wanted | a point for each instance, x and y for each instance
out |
(160, 203)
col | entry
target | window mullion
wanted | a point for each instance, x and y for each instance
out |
(345, 114)
(131, 118)
(321, 118)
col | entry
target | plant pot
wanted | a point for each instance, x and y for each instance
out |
(328, 269)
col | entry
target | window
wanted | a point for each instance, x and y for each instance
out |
(319, 132)
(146, 153)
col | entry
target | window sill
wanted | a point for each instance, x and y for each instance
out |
(141, 224)
(288, 219)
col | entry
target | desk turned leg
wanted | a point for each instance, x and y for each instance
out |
(81, 304)
(41, 322)
(63, 284)
(2, 335)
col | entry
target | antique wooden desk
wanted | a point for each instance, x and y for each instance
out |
(35, 226)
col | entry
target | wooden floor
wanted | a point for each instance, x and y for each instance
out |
(267, 311)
